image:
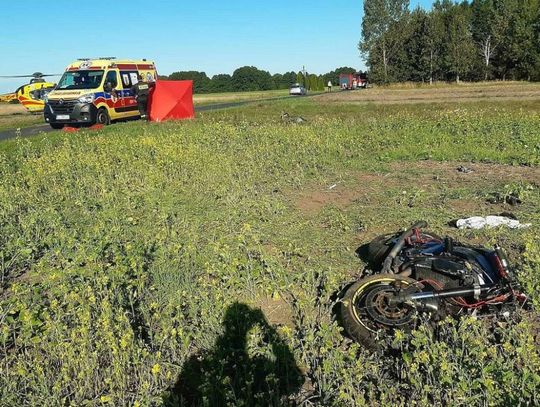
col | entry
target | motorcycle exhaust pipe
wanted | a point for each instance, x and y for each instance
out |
(475, 291)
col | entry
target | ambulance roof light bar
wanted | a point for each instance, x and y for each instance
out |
(89, 59)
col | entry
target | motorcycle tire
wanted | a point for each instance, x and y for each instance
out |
(357, 326)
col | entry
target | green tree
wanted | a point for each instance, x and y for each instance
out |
(517, 54)
(322, 84)
(435, 43)
(288, 79)
(536, 28)
(527, 35)
(306, 80)
(249, 78)
(313, 82)
(222, 83)
(416, 53)
(277, 81)
(486, 31)
(201, 82)
(379, 17)
(460, 50)
(300, 78)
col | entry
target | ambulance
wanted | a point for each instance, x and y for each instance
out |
(96, 91)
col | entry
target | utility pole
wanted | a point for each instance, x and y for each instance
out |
(304, 74)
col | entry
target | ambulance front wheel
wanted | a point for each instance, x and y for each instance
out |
(103, 117)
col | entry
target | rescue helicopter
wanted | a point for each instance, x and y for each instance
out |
(31, 94)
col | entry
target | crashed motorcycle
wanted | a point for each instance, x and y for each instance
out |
(417, 276)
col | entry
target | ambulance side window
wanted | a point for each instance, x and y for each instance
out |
(125, 80)
(112, 79)
(129, 78)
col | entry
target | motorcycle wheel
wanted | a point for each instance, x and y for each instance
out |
(366, 314)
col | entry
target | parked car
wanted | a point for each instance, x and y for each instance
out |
(297, 90)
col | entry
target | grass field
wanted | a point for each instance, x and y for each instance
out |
(14, 116)
(212, 98)
(143, 264)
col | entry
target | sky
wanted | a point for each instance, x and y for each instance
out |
(206, 35)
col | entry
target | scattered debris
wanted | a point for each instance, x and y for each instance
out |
(332, 186)
(491, 221)
(287, 118)
(465, 170)
(510, 199)
(68, 129)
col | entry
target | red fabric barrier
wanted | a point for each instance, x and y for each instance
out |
(171, 100)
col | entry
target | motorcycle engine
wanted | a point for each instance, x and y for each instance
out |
(450, 266)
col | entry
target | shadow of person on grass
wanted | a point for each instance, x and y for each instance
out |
(230, 375)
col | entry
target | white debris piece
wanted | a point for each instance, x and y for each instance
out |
(480, 222)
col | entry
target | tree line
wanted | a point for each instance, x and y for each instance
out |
(250, 78)
(477, 40)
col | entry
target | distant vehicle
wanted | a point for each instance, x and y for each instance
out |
(31, 95)
(96, 91)
(297, 90)
(352, 81)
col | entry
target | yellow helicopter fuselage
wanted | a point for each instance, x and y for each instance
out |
(31, 95)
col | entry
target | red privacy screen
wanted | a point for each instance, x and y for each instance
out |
(171, 100)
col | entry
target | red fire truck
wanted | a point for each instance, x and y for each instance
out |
(350, 81)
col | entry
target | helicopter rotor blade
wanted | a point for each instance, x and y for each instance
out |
(16, 76)
(36, 75)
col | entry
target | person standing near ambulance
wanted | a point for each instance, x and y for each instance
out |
(141, 90)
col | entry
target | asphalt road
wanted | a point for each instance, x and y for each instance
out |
(45, 128)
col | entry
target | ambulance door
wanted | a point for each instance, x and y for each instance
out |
(112, 91)
(120, 95)
(129, 78)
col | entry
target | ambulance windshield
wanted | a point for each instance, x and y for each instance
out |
(80, 80)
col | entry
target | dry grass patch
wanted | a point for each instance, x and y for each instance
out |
(436, 94)
(8, 109)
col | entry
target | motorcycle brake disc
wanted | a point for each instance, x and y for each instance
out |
(379, 309)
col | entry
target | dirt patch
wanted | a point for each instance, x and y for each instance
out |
(276, 311)
(314, 201)
(468, 206)
(360, 188)
(421, 175)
